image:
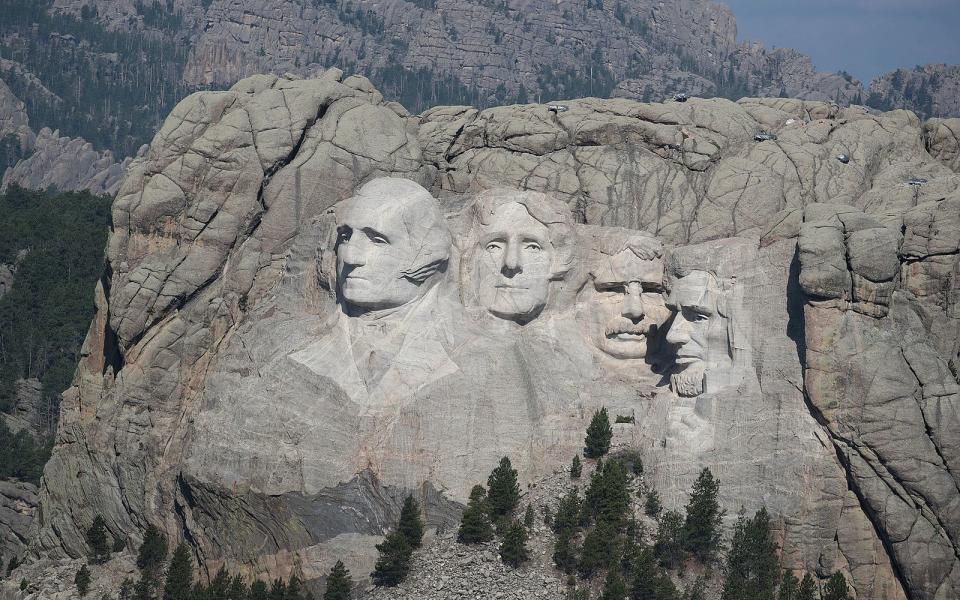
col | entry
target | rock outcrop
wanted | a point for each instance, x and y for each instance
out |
(931, 90)
(66, 164)
(18, 507)
(216, 397)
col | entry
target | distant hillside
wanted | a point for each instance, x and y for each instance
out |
(107, 71)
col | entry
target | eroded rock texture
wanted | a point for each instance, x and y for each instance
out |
(235, 392)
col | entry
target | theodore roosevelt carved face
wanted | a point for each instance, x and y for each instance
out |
(622, 305)
(391, 240)
(524, 242)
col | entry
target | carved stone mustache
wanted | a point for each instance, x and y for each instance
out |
(624, 325)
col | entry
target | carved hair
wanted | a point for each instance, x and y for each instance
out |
(552, 213)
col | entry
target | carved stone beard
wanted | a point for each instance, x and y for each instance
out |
(689, 382)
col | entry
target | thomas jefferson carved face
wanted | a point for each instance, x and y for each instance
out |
(391, 238)
(517, 254)
(624, 307)
(699, 331)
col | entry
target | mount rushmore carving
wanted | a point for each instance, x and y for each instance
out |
(317, 303)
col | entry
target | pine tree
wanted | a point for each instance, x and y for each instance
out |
(82, 580)
(664, 588)
(513, 549)
(119, 544)
(701, 529)
(836, 588)
(411, 525)
(237, 590)
(126, 589)
(179, 575)
(339, 583)
(643, 576)
(669, 539)
(295, 590)
(528, 517)
(697, 591)
(613, 586)
(789, 586)
(608, 496)
(576, 467)
(153, 550)
(220, 585)
(568, 512)
(393, 563)
(278, 591)
(652, 505)
(600, 549)
(503, 493)
(97, 540)
(807, 589)
(599, 434)
(258, 591)
(752, 568)
(475, 526)
(564, 552)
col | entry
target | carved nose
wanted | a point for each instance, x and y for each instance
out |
(350, 254)
(679, 330)
(633, 306)
(511, 261)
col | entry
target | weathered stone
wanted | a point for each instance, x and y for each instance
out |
(240, 389)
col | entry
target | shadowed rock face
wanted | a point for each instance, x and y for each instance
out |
(232, 393)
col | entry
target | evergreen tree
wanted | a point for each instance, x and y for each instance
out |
(652, 505)
(789, 586)
(218, 588)
(752, 568)
(258, 591)
(118, 544)
(97, 540)
(697, 591)
(503, 493)
(528, 517)
(82, 580)
(513, 549)
(807, 589)
(613, 586)
(664, 588)
(565, 552)
(643, 576)
(126, 589)
(836, 588)
(237, 590)
(568, 512)
(13, 564)
(599, 434)
(608, 495)
(475, 526)
(179, 575)
(144, 588)
(411, 525)
(669, 539)
(599, 549)
(393, 563)
(153, 550)
(278, 591)
(576, 467)
(701, 530)
(295, 590)
(339, 583)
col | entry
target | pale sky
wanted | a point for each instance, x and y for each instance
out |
(863, 37)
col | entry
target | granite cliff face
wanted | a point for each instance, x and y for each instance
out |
(233, 393)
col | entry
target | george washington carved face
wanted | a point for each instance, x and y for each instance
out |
(391, 239)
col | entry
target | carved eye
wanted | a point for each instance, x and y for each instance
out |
(534, 246)
(378, 240)
(343, 234)
(695, 316)
(494, 246)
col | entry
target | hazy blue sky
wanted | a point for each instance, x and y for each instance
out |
(864, 37)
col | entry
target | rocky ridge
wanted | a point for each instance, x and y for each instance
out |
(213, 264)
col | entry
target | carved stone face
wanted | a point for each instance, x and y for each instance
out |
(699, 332)
(625, 306)
(387, 246)
(514, 263)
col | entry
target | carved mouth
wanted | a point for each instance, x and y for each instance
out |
(626, 336)
(688, 359)
(504, 286)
